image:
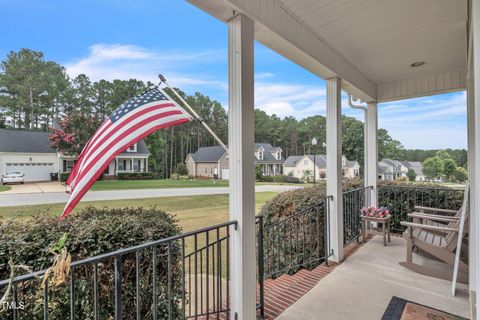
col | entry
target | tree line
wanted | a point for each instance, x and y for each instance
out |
(36, 94)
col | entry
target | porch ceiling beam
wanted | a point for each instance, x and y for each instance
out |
(277, 28)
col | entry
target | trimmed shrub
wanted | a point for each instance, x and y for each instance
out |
(64, 176)
(137, 176)
(401, 198)
(181, 169)
(267, 179)
(285, 179)
(92, 232)
(290, 179)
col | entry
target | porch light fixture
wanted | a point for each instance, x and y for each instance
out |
(417, 64)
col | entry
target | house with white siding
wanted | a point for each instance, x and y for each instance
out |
(30, 153)
(389, 169)
(303, 167)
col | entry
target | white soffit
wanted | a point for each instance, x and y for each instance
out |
(374, 41)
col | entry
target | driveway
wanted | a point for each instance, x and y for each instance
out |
(36, 197)
(35, 187)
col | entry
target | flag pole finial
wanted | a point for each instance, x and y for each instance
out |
(162, 78)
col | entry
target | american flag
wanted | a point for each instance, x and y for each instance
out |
(131, 122)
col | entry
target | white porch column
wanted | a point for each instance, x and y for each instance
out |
(473, 113)
(241, 160)
(334, 166)
(371, 151)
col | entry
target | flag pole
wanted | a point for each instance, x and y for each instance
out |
(163, 80)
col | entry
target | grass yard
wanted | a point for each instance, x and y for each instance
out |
(193, 212)
(155, 184)
(167, 183)
(4, 188)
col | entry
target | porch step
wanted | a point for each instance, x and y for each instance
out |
(284, 291)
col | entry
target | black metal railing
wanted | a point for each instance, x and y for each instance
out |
(402, 199)
(291, 243)
(180, 277)
(353, 201)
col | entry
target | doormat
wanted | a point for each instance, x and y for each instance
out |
(401, 309)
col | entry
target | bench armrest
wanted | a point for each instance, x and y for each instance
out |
(435, 209)
(433, 217)
(428, 227)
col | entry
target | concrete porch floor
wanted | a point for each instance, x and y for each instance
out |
(362, 286)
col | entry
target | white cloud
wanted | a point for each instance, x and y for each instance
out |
(182, 68)
(286, 99)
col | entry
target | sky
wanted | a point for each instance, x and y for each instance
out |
(120, 39)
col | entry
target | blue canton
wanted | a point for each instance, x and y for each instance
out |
(136, 102)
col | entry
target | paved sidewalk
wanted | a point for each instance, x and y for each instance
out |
(61, 197)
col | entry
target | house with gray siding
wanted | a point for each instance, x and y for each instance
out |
(212, 162)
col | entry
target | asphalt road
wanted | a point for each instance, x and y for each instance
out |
(7, 200)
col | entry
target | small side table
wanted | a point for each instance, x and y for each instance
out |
(368, 229)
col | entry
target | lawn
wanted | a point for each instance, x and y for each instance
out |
(167, 183)
(155, 184)
(4, 188)
(193, 212)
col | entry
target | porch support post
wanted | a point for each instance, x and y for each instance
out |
(334, 166)
(371, 151)
(241, 160)
(473, 122)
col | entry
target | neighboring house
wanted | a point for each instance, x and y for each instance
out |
(417, 167)
(397, 168)
(385, 172)
(303, 167)
(389, 169)
(29, 152)
(212, 162)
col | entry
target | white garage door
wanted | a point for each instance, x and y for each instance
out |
(225, 174)
(33, 171)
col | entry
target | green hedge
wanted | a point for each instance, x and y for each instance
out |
(402, 197)
(92, 232)
(280, 178)
(137, 176)
(64, 176)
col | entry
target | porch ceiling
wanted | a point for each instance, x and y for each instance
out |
(382, 38)
(374, 41)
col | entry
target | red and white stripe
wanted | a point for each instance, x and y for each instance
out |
(112, 138)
